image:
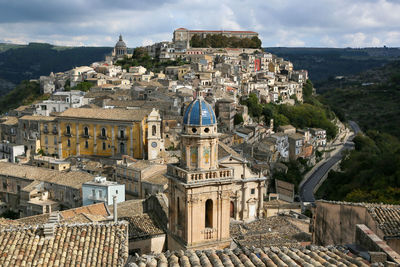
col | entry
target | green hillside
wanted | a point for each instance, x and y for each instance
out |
(325, 63)
(25, 62)
(371, 172)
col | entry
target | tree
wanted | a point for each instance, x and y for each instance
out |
(238, 119)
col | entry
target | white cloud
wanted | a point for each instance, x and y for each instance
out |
(337, 23)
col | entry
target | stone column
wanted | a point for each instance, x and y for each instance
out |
(94, 139)
(77, 139)
(260, 199)
(244, 202)
(59, 141)
(112, 141)
(131, 137)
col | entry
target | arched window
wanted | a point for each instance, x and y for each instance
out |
(103, 132)
(86, 131)
(209, 214)
(154, 130)
(122, 148)
(68, 129)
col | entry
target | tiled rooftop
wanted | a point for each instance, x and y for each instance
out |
(105, 114)
(387, 218)
(37, 118)
(142, 226)
(249, 257)
(71, 245)
(70, 179)
(89, 213)
(271, 231)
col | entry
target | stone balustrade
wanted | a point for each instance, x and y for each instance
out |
(199, 176)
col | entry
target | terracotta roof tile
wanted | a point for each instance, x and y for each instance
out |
(71, 179)
(105, 114)
(70, 245)
(268, 256)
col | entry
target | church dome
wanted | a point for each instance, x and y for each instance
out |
(199, 113)
(120, 43)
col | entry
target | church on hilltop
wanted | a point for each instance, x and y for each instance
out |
(207, 189)
(120, 49)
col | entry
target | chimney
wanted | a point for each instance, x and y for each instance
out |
(115, 209)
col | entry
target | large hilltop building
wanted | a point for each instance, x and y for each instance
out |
(182, 36)
(204, 194)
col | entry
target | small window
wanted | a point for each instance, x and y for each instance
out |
(253, 191)
(86, 131)
(206, 130)
(194, 130)
(104, 146)
(116, 191)
(154, 130)
(68, 129)
(86, 144)
(55, 140)
(46, 140)
(68, 143)
(103, 132)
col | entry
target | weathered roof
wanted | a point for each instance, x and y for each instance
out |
(37, 118)
(71, 245)
(142, 226)
(90, 213)
(73, 179)
(9, 120)
(386, 216)
(105, 114)
(387, 219)
(225, 151)
(158, 178)
(268, 256)
(284, 188)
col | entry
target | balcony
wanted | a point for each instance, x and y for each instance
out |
(122, 138)
(103, 137)
(55, 131)
(45, 131)
(199, 176)
(87, 136)
(68, 134)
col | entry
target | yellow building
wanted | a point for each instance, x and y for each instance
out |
(103, 132)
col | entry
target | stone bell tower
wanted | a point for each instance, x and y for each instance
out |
(155, 144)
(199, 190)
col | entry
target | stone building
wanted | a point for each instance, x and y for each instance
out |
(30, 190)
(204, 193)
(103, 132)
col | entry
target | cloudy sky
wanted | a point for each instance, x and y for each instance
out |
(317, 23)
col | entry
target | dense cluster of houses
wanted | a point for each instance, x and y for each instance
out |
(155, 152)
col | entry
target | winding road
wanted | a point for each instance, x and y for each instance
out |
(307, 189)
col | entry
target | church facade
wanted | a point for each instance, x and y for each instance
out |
(205, 190)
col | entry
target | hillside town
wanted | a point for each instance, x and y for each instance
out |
(124, 165)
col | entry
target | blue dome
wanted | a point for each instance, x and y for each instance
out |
(199, 112)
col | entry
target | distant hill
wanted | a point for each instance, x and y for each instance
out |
(371, 98)
(24, 62)
(325, 63)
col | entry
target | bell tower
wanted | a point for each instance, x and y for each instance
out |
(155, 143)
(199, 189)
